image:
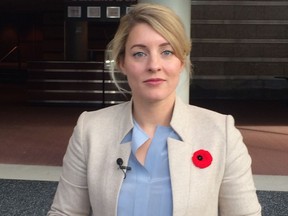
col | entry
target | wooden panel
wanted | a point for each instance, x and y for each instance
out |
(239, 38)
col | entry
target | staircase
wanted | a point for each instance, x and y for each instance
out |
(82, 83)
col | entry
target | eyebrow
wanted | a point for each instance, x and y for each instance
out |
(143, 46)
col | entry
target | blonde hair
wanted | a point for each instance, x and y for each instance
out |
(163, 20)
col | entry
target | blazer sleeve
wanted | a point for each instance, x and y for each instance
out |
(237, 193)
(72, 197)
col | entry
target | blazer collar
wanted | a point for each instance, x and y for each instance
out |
(125, 126)
(179, 118)
(125, 121)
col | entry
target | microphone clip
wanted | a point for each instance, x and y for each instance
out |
(119, 162)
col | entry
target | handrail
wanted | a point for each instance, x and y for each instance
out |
(12, 50)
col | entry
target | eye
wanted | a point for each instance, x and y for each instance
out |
(167, 52)
(139, 54)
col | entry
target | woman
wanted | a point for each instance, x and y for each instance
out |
(155, 155)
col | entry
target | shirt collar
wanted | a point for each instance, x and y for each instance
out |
(137, 137)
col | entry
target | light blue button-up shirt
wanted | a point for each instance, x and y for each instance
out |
(146, 190)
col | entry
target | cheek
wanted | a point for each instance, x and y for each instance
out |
(132, 69)
(175, 69)
(125, 65)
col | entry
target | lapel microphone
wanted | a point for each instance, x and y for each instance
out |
(119, 162)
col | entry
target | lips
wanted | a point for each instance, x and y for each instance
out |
(154, 81)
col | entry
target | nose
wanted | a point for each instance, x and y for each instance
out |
(154, 64)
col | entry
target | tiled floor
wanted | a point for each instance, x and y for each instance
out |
(33, 198)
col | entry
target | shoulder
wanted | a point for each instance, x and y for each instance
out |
(106, 119)
(189, 119)
(213, 124)
(192, 114)
(212, 119)
(105, 113)
(205, 115)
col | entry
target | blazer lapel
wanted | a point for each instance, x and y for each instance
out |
(180, 167)
(180, 159)
(115, 176)
(119, 150)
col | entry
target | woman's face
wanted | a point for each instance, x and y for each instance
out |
(150, 65)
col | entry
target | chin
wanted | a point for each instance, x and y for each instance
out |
(158, 98)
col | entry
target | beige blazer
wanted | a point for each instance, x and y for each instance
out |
(91, 179)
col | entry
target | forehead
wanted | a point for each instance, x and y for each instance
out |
(143, 33)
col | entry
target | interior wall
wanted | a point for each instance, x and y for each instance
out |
(239, 49)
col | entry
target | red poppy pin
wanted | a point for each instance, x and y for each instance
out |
(202, 158)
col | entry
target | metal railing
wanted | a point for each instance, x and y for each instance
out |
(9, 53)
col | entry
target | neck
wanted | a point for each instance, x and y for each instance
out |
(150, 114)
